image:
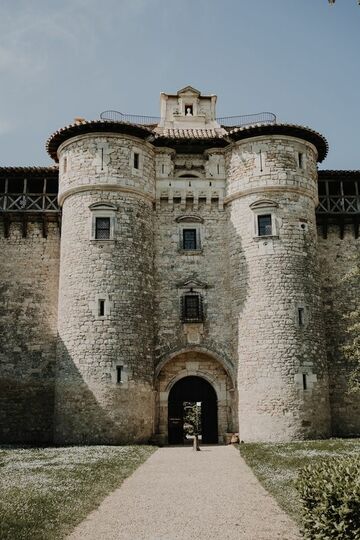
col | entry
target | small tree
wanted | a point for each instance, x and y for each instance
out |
(351, 350)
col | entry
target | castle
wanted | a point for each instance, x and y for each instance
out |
(175, 260)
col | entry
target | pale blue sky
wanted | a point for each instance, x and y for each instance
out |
(67, 58)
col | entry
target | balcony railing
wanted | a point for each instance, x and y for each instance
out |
(346, 204)
(28, 202)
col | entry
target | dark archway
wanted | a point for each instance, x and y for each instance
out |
(192, 389)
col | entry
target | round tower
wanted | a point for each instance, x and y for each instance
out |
(272, 196)
(104, 391)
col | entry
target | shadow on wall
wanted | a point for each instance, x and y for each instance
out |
(90, 408)
(340, 293)
(27, 363)
(239, 284)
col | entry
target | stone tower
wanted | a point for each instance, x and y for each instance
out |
(104, 389)
(189, 273)
(277, 311)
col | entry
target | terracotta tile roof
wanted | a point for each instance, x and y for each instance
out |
(191, 133)
(28, 172)
(292, 130)
(79, 128)
(327, 173)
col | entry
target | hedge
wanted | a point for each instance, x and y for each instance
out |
(330, 493)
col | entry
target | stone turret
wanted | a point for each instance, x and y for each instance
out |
(277, 315)
(104, 389)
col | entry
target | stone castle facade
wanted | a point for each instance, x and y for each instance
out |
(175, 260)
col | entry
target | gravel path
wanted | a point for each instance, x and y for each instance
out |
(179, 494)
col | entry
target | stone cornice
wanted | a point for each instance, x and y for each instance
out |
(120, 136)
(105, 187)
(265, 189)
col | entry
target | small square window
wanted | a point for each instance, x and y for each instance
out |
(189, 239)
(102, 228)
(136, 162)
(264, 225)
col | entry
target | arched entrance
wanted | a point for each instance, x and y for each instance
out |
(192, 401)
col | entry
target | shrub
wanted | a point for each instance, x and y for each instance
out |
(330, 493)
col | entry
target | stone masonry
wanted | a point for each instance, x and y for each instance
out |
(186, 248)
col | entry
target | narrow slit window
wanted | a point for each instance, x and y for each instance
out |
(101, 308)
(119, 374)
(136, 160)
(301, 316)
(300, 160)
(65, 164)
(264, 225)
(189, 239)
(192, 308)
(304, 377)
(102, 228)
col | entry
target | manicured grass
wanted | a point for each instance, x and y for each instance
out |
(277, 465)
(45, 492)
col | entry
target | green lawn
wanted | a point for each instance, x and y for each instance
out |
(45, 492)
(277, 465)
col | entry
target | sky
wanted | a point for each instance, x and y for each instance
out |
(61, 59)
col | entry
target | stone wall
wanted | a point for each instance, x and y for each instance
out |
(92, 404)
(337, 258)
(106, 159)
(205, 270)
(28, 318)
(282, 371)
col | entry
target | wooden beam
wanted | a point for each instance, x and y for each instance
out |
(356, 226)
(7, 222)
(342, 226)
(44, 225)
(324, 226)
(59, 222)
(24, 225)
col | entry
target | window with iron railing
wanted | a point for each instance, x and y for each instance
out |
(264, 225)
(189, 239)
(192, 308)
(102, 228)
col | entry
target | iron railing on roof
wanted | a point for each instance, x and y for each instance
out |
(116, 116)
(247, 119)
(226, 121)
